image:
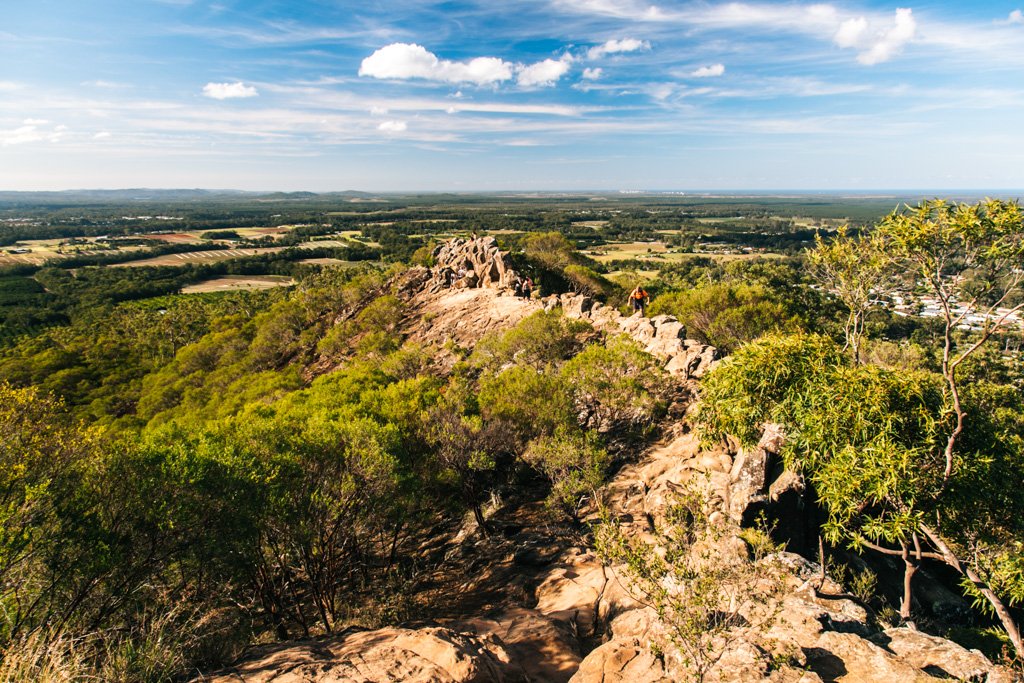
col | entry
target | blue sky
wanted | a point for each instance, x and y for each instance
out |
(531, 95)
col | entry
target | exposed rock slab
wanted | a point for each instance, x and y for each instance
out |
(424, 655)
(544, 649)
(940, 657)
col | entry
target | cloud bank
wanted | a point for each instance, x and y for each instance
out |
(404, 61)
(408, 60)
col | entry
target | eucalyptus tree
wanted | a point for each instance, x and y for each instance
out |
(920, 466)
(856, 270)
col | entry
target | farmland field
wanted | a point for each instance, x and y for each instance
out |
(196, 257)
(230, 283)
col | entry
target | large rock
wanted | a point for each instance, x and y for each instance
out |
(624, 660)
(425, 655)
(472, 263)
(571, 592)
(750, 471)
(940, 657)
(663, 336)
(542, 647)
(848, 658)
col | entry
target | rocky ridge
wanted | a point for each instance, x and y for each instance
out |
(578, 620)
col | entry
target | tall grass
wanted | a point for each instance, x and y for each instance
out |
(159, 648)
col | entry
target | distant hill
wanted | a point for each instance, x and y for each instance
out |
(163, 196)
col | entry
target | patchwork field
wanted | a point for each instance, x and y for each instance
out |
(41, 251)
(211, 256)
(230, 283)
(659, 252)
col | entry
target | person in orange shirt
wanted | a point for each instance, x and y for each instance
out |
(638, 299)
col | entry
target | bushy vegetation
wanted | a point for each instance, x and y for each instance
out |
(269, 460)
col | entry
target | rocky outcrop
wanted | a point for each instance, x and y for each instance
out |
(662, 336)
(466, 264)
(818, 635)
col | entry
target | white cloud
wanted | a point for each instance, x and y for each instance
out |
(616, 46)
(408, 60)
(592, 74)
(892, 41)
(708, 71)
(850, 32)
(1016, 17)
(377, 110)
(101, 135)
(393, 126)
(35, 122)
(6, 86)
(544, 73)
(225, 91)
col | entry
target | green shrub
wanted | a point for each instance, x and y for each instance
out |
(541, 339)
(575, 464)
(534, 401)
(617, 384)
(724, 315)
(753, 387)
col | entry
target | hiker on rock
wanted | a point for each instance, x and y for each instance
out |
(527, 287)
(638, 299)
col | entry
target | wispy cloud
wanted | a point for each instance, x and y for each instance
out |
(227, 91)
(32, 130)
(617, 46)
(393, 126)
(620, 9)
(592, 74)
(106, 85)
(1016, 17)
(709, 71)
(883, 46)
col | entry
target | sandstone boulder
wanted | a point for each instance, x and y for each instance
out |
(622, 661)
(544, 649)
(472, 263)
(425, 655)
(940, 657)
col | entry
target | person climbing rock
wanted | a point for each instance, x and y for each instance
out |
(527, 287)
(638, 299)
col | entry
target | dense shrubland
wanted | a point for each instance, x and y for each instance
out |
(271, 505)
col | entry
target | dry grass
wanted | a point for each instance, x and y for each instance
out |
(163, 646)
(44, 659)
